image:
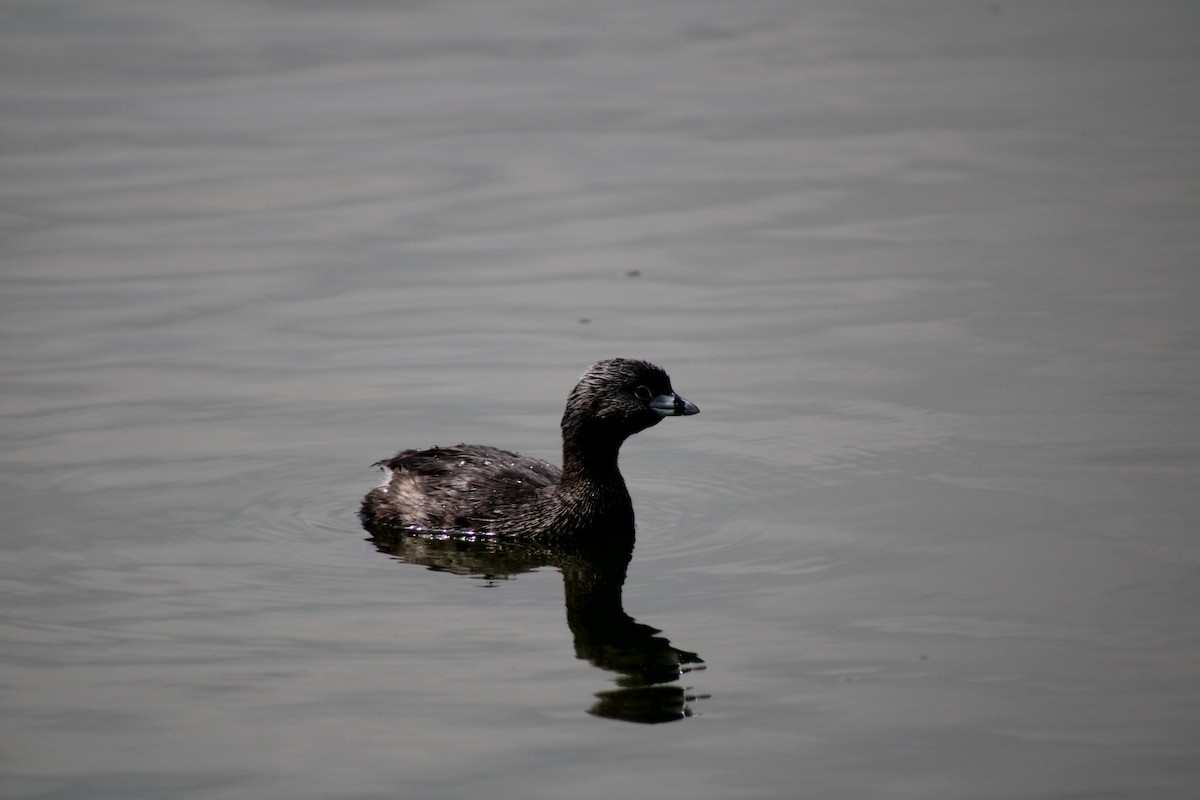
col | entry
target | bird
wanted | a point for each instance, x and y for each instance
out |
(483, 490)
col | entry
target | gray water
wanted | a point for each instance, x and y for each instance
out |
(931, 271)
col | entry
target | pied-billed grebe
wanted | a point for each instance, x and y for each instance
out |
(488, 490)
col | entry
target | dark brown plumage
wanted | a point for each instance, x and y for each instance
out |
(488, 490)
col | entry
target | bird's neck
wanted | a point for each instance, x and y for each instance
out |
(590, 455)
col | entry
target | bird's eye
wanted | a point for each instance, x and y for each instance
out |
(643, 392)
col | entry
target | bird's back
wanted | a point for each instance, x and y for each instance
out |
(460, 487)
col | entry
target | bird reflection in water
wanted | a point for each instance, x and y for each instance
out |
(593, 575)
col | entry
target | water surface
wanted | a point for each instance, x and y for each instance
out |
(928, 268)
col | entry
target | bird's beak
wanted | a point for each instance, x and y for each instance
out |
(672, 405)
